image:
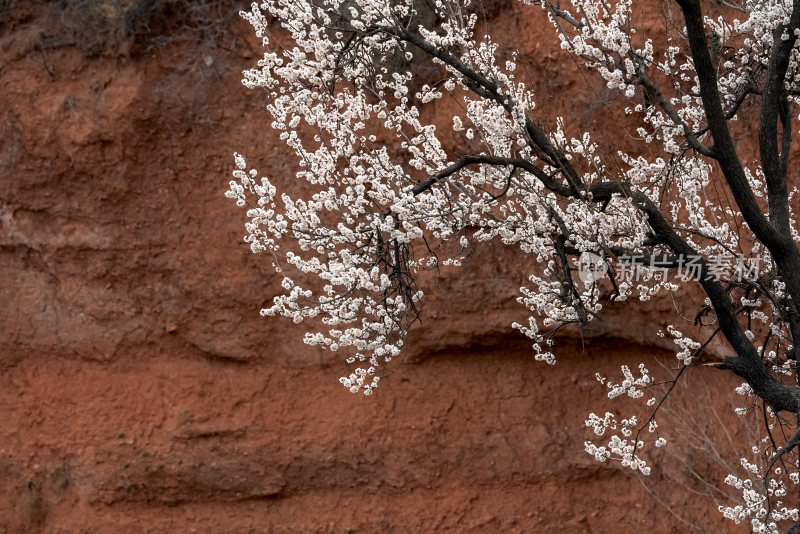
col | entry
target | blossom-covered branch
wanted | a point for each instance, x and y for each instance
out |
(351, 88)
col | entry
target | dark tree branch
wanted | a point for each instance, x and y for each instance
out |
(773, 100)
(656, 95)
(650, 87)
(731, 113)
(723, 143)
(747, 362)
(788, 446)
(485, 159)
(777, 241)
(486, 88)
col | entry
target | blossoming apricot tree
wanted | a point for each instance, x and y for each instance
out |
(349, 83)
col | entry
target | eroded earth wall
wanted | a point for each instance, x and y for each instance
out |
(140, 391)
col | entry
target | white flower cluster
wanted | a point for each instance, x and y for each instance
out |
(623, 446)
(384, 188)
(763, 501)
(358, 232)
(763, 494)
(334, 91)
(687, 345)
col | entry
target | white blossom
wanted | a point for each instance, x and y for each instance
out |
(386, 194)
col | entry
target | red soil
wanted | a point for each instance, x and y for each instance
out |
(141, 392)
